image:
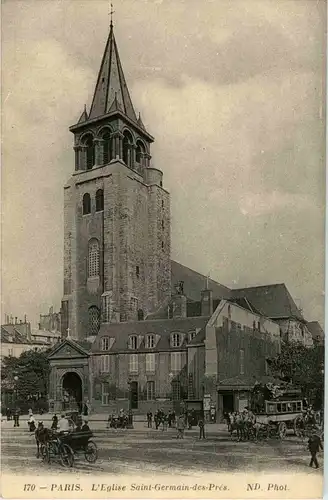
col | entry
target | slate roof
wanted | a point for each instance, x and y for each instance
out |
(13, 334)
(111, 85)
(163, 328)
(273, 301)
(315, 329)
(195, 282)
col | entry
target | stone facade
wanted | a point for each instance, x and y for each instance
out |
(132, 225)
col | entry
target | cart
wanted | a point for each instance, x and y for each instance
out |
(282, 415)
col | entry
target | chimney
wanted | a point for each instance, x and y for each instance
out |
(179, 302)
(24, 318)
(206, 302)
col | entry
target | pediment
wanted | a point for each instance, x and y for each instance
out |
(68, 350)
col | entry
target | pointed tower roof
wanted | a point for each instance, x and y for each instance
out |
(84, 116)
(111, 85)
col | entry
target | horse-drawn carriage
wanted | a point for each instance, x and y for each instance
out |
(273, 411)
(66, 446)
(281, 408)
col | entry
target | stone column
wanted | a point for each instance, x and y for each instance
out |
(99, 151)
(117, 138)
(133, 150)
(83, 158)
(147, 158)
(77, 150)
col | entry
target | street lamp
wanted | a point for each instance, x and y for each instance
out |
(130, 419)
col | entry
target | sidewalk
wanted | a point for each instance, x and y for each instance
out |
(98, 422)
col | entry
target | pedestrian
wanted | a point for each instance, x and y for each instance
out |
(181, 427)
(54, 422)
(16, 417)
(314, 445)
(8, 413)
(31, 423)
(150, 419)
(201, 425)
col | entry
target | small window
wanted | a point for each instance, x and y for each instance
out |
(176, 361)
(105, 393)
(229, 312)
(99, 200)
(162, 203)
(86, 204)
(105, 344)
(150, 390)
(105, 363)
(176, 340)
(133, 304)
(94, 320)
(162, 224)
(254, 325)
(137, 271)
(133, 342)
(140, 315)
(150, 362)
(259, 326)
(93, 258)
(133, 363)
(150, 341)
(10, 352)
(161, 183)
(192, 335)
(162, 245)
(242, 361)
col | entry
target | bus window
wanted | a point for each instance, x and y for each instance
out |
(284, 407)
(279, 408)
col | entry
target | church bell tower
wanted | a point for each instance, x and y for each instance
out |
(116, 213)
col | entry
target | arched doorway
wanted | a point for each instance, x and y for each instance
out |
(72, 391)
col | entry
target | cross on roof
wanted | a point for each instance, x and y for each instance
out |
(111, 15)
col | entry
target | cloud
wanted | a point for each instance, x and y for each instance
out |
(232, 93)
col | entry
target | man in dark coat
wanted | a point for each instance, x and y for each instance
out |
(314, 445)
(16, 417)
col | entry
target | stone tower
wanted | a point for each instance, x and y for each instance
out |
(116, 213)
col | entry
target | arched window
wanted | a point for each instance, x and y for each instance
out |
(99, 200)
(94, 320)
(139, 152)
(127, 148)
(107, 147)
(93, 258)
(86, 204)
(89, 152)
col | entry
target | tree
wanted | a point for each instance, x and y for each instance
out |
(26, 376)
(303, 367)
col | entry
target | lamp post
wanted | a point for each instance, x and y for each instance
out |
(130, 416)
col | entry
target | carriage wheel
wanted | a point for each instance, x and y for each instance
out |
(282, 430)
(91, 452)
(66, 455)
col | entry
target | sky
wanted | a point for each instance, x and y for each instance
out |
(232, 91)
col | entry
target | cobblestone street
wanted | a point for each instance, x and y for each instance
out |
(143, 450)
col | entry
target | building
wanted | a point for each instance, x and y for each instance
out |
(139, 330)
(116, 214)
(318, 335)
(275, 302)
(51, 321)
(16, 339)
(49, 328)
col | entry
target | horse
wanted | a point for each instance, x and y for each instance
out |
(236, 424)
(42, 436)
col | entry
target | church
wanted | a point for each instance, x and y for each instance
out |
(139, 330)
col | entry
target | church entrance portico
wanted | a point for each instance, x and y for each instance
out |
(69, 383)
(72, 388)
